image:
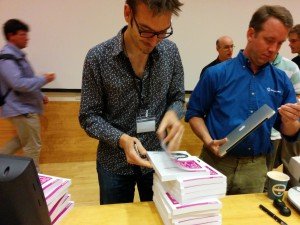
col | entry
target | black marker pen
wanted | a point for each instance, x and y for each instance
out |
(276, 218)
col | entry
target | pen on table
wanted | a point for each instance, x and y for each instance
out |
(276, 218)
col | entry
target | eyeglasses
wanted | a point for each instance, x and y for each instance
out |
(228, 47)
(148, 34)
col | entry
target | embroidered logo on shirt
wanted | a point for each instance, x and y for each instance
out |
(271, 90)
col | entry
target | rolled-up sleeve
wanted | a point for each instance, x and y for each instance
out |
(201, 98)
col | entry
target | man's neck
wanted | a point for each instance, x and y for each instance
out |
(137, 58)
(253, 67)
(13, 44)
(220, 59)
(131, 50)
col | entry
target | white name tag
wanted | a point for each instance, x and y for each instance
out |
(145, 124)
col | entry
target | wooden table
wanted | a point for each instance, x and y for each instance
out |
(236, 210)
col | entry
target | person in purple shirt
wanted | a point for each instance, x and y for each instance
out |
(24, 102)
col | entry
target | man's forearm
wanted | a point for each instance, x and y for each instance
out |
(198, 126)
(290, 128)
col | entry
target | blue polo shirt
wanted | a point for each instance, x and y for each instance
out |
(230, 92)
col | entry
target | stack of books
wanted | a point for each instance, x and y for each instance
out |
(187, 195)
(57, 197)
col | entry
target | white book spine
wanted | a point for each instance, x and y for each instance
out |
(178, 208)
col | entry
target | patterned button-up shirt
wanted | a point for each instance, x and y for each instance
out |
(113, 97)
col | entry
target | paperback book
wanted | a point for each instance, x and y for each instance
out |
(213, 176)
(208, 218)
(168, 170)
(202, 204)
(57, 197)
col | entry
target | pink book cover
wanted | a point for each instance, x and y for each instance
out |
(59, 205)
(63, 213)
(49, 183)
(213, 176)
(58, 192)
(167, 170)
(191, 163)
(183, 159)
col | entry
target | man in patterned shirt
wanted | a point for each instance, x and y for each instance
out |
(132, 98)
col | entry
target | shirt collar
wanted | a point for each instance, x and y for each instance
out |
(277, 60)
(246, 62)
(118, 42)
(15, 50)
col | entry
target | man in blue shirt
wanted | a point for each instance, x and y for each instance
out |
(24, 101)
(231, 91)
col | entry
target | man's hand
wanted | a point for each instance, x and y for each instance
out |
(170, 130)
(214, 146)
(45, 99)
(133, 148)
(49, 77)
(290, 114)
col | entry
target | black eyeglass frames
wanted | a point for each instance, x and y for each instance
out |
(149, 34)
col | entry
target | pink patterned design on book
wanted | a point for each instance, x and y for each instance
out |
(61, 214)
(173, 200)
(44, 179)
(211, 171)
(55, 190)
(188, 164)
(60, 201)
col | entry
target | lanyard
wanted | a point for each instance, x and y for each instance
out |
(140, 86)
(143, 86)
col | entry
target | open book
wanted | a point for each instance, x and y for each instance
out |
(183, 159)
(168, 168)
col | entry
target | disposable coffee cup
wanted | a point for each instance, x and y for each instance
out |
(277, 182)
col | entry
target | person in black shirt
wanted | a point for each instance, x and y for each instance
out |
(224, 46)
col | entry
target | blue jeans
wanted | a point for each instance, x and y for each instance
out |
(120, 188)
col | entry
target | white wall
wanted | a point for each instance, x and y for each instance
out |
(62, 31)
